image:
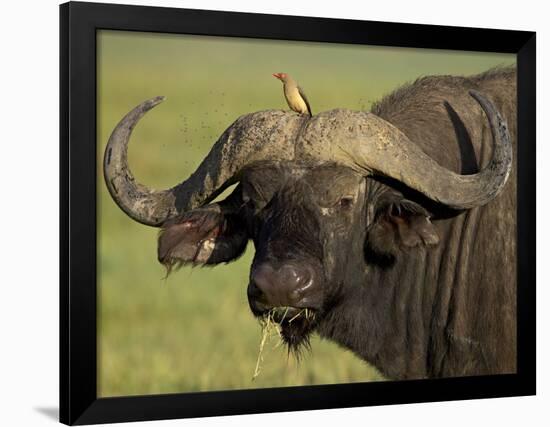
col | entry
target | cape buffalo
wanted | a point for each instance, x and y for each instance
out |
(395, 227)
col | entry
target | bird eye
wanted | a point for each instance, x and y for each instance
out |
(345, 202)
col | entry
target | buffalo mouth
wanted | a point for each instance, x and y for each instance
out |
(295, 325)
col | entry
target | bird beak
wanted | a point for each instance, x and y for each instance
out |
(277, 75)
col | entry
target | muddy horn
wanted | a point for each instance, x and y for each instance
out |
(374, 146)
(254, 137)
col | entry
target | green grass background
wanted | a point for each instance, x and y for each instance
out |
(194, 331)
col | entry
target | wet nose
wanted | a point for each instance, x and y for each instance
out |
(290, 285)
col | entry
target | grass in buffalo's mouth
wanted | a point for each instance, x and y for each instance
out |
(306, 312)
(271, 327)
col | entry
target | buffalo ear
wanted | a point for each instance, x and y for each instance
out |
(202, 236)
(401, 224)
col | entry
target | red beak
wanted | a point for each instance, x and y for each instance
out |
(277, 75)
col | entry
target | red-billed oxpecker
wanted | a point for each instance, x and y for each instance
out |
(295, 96)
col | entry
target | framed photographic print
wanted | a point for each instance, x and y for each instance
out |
(268, 213)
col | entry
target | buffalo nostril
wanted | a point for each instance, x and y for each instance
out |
(262, 275)
(284, 286)
(298, 278)
(261, 284)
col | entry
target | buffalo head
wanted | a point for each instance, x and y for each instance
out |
(310, 197)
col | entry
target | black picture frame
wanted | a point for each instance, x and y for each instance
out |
(79, 403)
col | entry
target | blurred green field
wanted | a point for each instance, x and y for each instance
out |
(194, 331)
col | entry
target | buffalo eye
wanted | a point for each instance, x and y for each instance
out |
(345, 202)
(248, 202)
(395, 210)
